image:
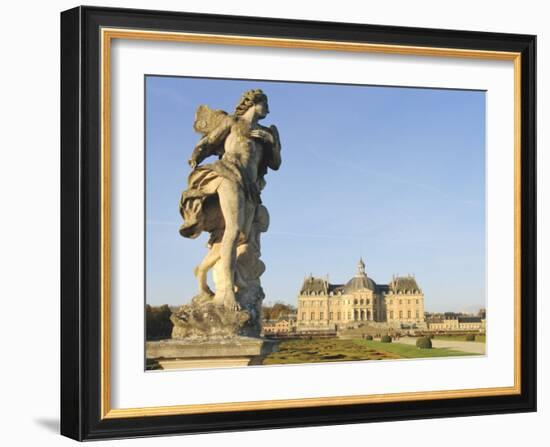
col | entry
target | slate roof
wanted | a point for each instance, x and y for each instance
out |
(404, 284)
(315, 285)
(359, 282)
(321, 286)
(469, 319)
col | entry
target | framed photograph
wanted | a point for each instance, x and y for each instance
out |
(276, 223)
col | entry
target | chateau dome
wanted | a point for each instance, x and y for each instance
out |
(360, 281)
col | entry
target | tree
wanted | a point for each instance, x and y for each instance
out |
(278, 310)
(157, 322)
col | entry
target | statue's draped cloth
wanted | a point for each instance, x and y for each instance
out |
(199, 204)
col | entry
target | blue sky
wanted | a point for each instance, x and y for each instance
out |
(396, 175)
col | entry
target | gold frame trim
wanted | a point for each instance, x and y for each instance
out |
(107, 35)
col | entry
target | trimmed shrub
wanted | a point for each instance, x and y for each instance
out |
(385, 339)
(368, 337)
(423, 343)
(470, 337)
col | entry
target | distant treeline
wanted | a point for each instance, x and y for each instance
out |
(157, 322)
(277, 310)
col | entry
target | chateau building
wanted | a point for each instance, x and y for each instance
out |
(457, 324)
(326, 306)
(284, 325)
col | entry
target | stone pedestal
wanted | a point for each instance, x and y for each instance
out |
(203, 319)
(208, 353)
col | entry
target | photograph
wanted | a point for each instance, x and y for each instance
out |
(295, 222)
(280, 223)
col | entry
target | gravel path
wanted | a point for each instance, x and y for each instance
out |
(465, 346)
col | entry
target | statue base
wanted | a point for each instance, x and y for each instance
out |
(201, 318)
(208, 352)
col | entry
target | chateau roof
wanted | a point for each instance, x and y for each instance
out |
(469, 319)
(315, 285)
(321, 286)
(435, 320)
(359, 282)
(403, 284)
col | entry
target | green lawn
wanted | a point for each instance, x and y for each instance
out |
(337, 350)
(479, 338)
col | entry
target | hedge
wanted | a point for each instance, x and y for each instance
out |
(423, 343)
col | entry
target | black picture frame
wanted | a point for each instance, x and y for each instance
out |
(81, 208)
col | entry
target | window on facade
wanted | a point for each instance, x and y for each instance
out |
(391, 314)
(368, 301)
(354, 301)
(330, 316)
(400, 314)
(400, 301)
(320, 315)
(339, 315)
(349, 315)
(312, 316)
(303, 316)
(408, 301)
(362, 302)
(416, 301)
(408, 314)
(417, 314)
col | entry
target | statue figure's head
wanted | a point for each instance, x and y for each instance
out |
(253, 98)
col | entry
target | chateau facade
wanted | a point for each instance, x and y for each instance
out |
(326, 306)
(457, 324)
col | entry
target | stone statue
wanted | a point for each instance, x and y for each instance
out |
(223, 199)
